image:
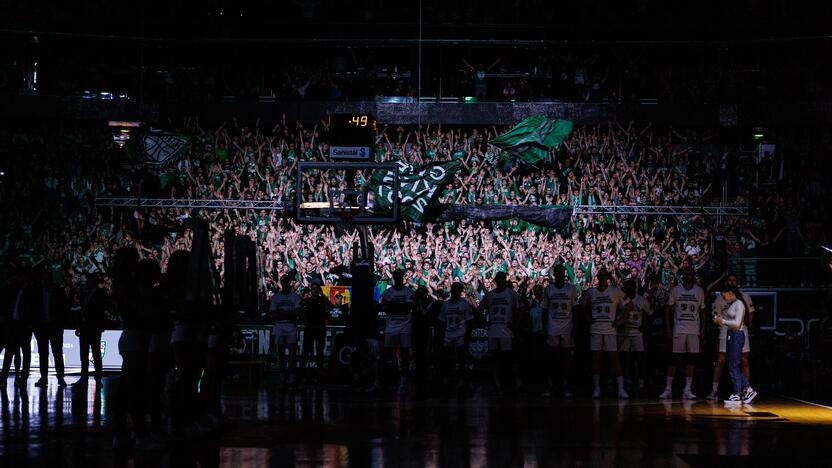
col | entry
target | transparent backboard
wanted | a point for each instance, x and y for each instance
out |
(347, 192)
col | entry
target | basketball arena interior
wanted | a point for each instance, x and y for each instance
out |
(418, 233)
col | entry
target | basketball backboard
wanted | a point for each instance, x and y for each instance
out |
(353, 192)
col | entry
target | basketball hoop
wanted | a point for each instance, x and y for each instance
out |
(348, 204)
(346, 225)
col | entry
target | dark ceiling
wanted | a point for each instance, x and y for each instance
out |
(532, 20)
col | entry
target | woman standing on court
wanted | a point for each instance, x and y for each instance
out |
(734, 319)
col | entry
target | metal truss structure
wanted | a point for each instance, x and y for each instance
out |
(222, 204)
(274, 205)
(666, 210)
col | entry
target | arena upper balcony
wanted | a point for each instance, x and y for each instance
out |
(408, 111)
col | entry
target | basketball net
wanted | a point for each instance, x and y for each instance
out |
(346, 225)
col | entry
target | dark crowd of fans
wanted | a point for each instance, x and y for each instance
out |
(70, 264)
(50, 187)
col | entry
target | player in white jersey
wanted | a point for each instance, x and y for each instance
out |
(284, 307)
(601, 305)
(719, 307)
(558, 299)
(500, 305)
(630, 336)
(686, 301)
(455, 312)
(397, 302)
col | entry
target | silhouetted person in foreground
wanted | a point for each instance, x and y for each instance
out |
(132, 287)
(7, 296)
(51, 313)
(20, 332)
(315, 311)
(189, 346)
(91, 325)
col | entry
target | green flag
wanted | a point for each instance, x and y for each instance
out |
(419, 186)
(158, 150)
(531, 139)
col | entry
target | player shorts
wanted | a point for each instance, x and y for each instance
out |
(184, 334)
(453, 341)
(602, 342)
(159, 342)
(133, 341)
(373, 346)
(746, 347)
(685, 343)
(215, 341)
(285, 334)
(560, 341)
(500, 344)
(631, 343)
(397, 338)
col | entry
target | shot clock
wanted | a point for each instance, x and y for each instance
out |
(352, 137)
(360, 120)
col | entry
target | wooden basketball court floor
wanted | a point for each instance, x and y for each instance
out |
(337, 427)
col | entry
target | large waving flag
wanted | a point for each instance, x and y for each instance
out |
(158, 150)
(419, 186)
(531, 139)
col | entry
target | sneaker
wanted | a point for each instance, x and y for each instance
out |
(596, 394)
(712, 396)
(688, 395)
(734, 399)
(622, 395)
(82, 382)
(41, 383)
(749, 395)
(666, 394)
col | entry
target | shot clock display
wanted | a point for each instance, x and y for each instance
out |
(360, 120)
(352, 137)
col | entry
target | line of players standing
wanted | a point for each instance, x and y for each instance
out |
(32, 303)
(616, 319)
(173, 346)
